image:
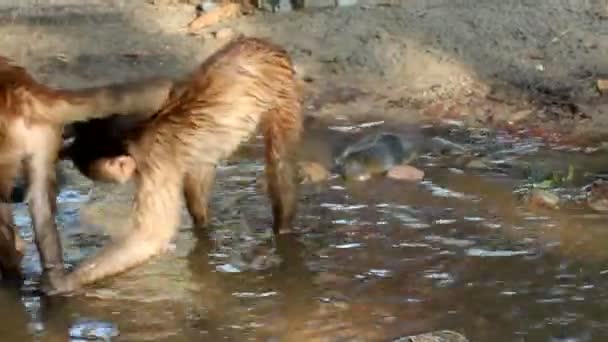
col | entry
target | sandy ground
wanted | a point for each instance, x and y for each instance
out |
(480, 61)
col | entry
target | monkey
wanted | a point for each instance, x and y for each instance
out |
(247, 84)
(32, 117)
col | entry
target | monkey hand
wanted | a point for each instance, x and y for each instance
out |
(58, 283)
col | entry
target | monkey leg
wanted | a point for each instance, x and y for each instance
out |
(153, 223)
(10, 242)
(198, 183)
(11, 246)
(282, 188)
(281, 133)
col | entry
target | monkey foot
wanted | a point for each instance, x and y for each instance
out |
(58, 283)
(200, 224)
(285, 230)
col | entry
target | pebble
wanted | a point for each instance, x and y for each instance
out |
(435, 336)
(88, 329)
(312, 172)
(405, 172)
(477, 164)
(543, 198)
(597, 199)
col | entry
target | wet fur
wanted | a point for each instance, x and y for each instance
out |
(248, 83)
(32, 116)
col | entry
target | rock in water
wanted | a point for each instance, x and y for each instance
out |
(435, 336)
(477, 164)
(311, 172)
(543, 198)
(597, 198)
(308, 173)
(88, 329)
(374, 155)
(405, 172)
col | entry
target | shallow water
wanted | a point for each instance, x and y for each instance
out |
(371, 261)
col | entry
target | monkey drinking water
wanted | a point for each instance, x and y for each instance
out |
(247, 83)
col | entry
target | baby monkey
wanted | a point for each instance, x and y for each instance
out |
(249, 83)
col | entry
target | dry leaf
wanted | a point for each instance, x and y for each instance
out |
(217, 14)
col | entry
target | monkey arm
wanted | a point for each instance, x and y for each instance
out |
(21, 94)
(42, 206)
(154, 222)
(62, 106)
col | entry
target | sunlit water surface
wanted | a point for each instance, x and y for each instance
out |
(371, 261)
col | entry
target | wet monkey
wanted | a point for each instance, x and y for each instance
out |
(245, 85)
(32, 117)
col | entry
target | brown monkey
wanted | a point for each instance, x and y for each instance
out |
(248, 82)
(32, 116)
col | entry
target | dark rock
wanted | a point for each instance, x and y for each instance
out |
(374, 155)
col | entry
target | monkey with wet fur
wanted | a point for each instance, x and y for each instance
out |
(32, 117)
(248, 83)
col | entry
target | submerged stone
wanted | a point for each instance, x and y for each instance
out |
(405, 172)
(543, 198)
(477, 164)
(88, 329)
(374, 155)
(597, 198)
(311, 172)
(435, 336)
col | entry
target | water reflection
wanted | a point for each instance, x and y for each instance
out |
(15, 320)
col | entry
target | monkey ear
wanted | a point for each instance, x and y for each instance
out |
(121, 168)
(126, 163)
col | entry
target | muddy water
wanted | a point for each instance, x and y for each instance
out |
(372, 261)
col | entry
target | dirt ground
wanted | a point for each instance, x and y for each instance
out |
(479, 61)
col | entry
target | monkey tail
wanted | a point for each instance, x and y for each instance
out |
(282, 129)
